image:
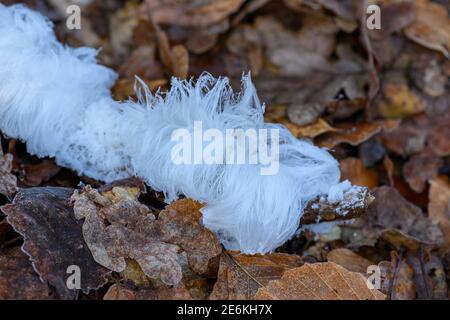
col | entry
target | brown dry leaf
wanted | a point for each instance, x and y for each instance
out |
(349, 260)
(142, 63)
(430, 27)
(399, 100)
(8, 181)
(191, 14)
(391, 211)
(421, 168)
(200, 42)
(128, 292)
(116, 226)
(181, 226)
(419, 132)
(302, 113)
(175, 59)
(302, 52)
(342, 109)
(396, 220)
(354, 170)
(36, 174)
(319, 281)
(180, 61)
(388, 165)
(18, 280)
(123, 22)
(240, 276)
(429, 275)
(278, 114)
(427, 71)
(437, 139)
(408, 137)
(53, 239)
(311, 131)
(354, 134)
(397, 278)
(439, 207)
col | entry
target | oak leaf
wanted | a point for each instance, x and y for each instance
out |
(116, 226)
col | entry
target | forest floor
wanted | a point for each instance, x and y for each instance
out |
(377, 99)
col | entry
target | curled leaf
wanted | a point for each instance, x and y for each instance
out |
(53, 239)
(116, 226)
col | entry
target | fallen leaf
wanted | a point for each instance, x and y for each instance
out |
(429, 275)
(408, 137)
(399, 278)
(8, 181)
(310, 131)
(439, 207)
(240, 276)
(420, 169)
(175, 59)
(353, 169)
(190, 14)
(142, 63)
(354, 134)
(123, 21)
(349, 260)
(180, 61)
(319, 281)
(53, 239)
(437, 139)
(303, 114)
(200, 42)
(181, 226)
(18, 280)
(391, 211)
(116, 226)
(36, 174)
(399, 100)
(388, 165)
(418, 132)
(430, 27)
(128, 292)
(371, 151)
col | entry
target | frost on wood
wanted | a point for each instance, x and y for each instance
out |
(109, 140)
(350, 204)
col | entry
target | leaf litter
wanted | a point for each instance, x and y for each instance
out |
(378, 99)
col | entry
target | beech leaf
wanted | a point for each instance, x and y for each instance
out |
(319, 281)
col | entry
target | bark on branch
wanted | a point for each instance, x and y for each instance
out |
(354, 203)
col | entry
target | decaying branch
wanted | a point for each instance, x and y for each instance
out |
(354, 204)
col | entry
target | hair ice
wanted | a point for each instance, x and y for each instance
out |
(57, 99)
